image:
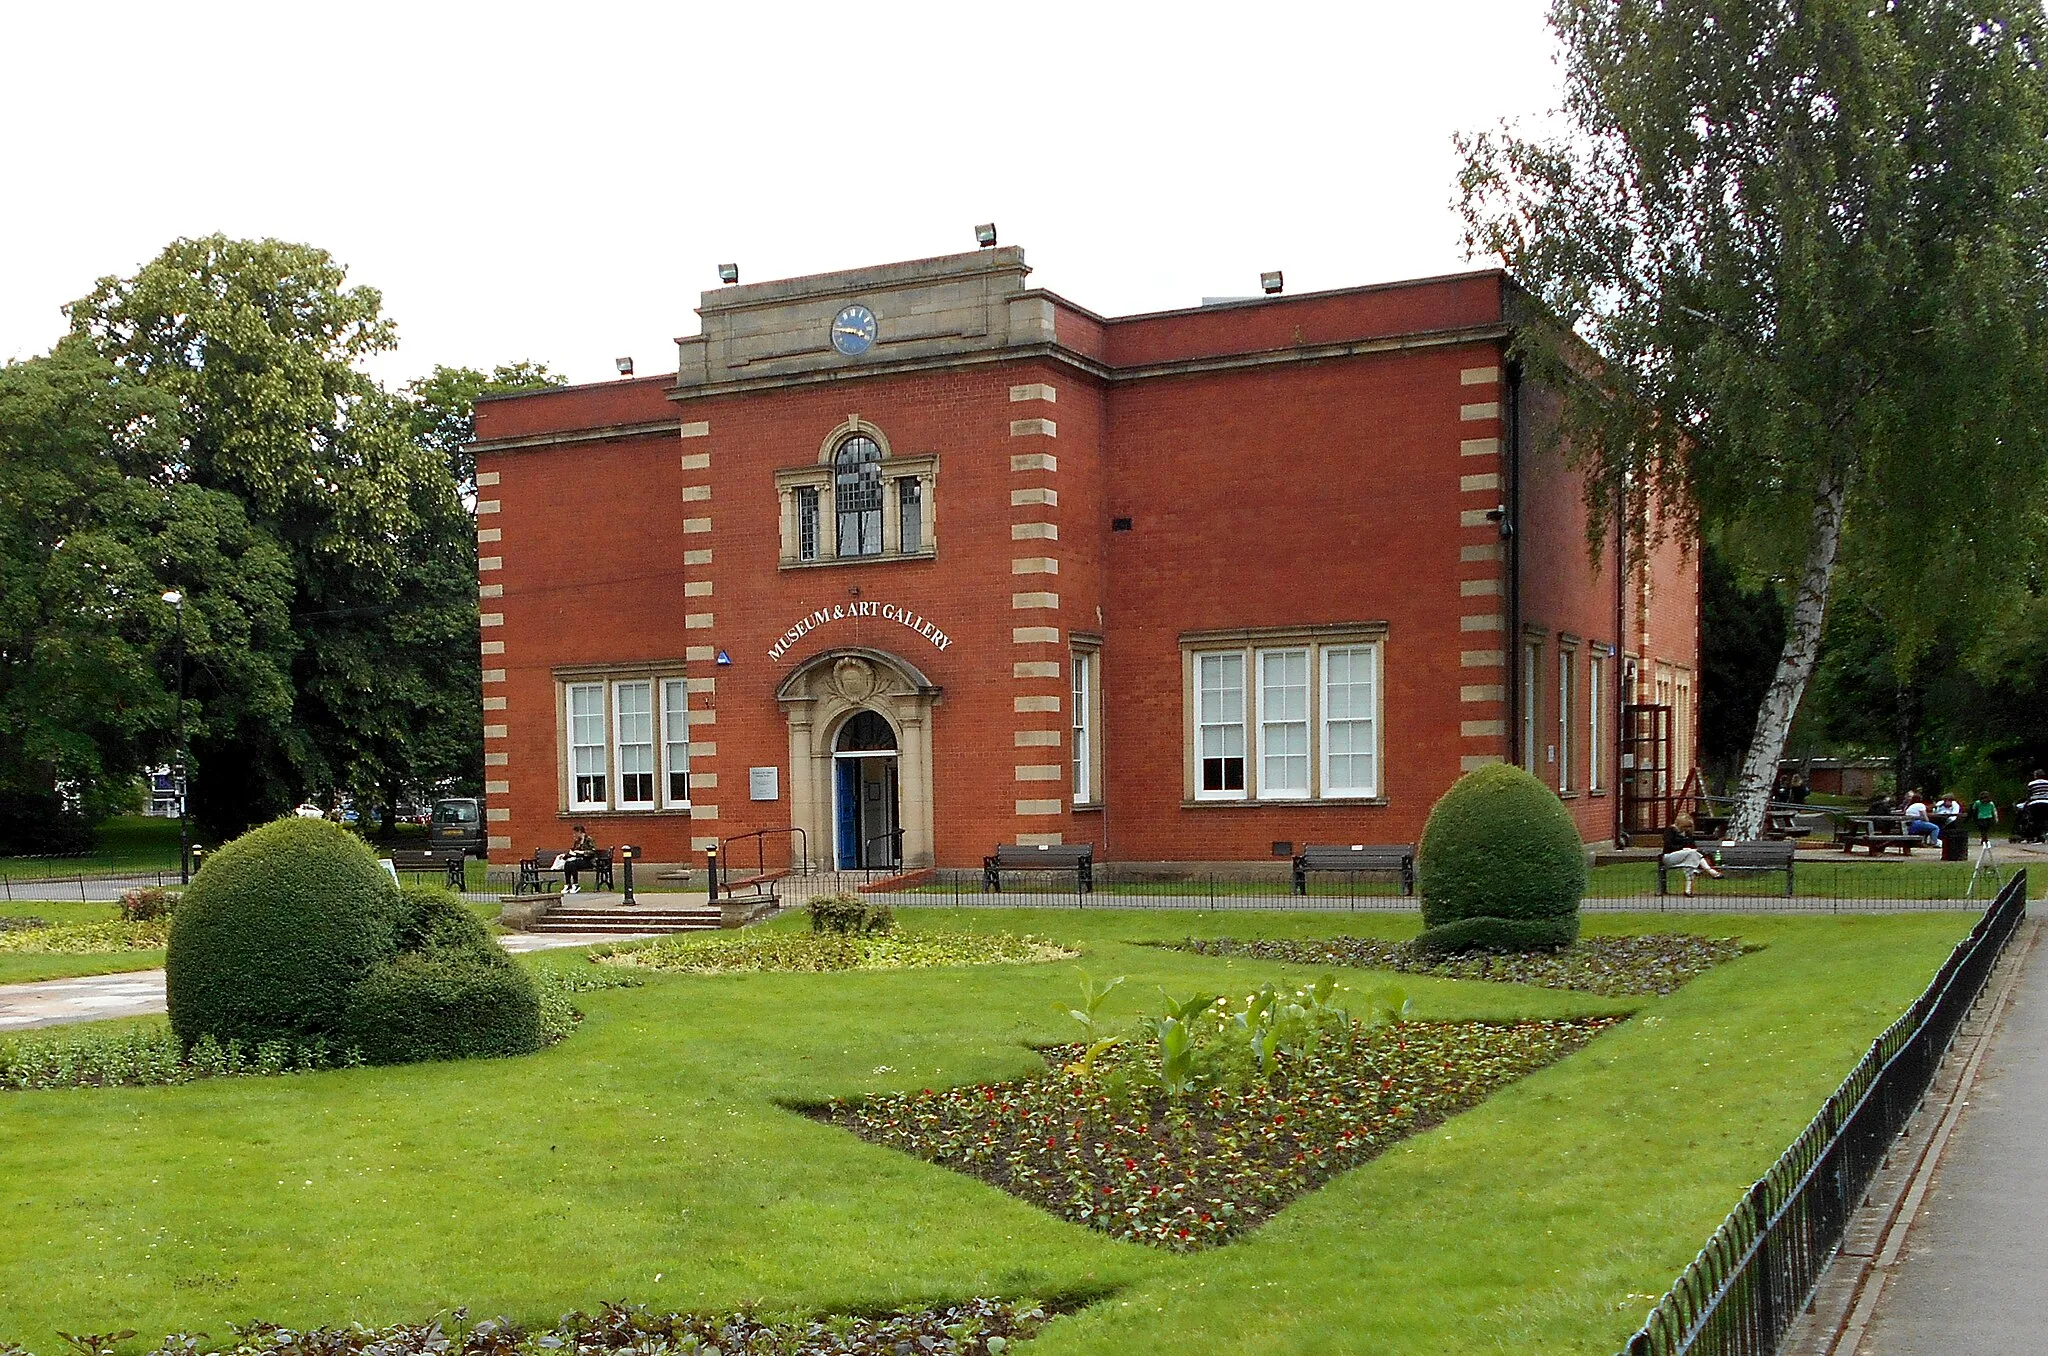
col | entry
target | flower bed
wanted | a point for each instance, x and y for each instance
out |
(1194, 1171)
(1615, 967)
(821, 952)
(88, 939)
(976, 1327)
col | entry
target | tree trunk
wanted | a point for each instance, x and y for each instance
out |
(1795, 662)
(1905, 759)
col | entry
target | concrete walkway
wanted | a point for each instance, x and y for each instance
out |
(140, 993)
(1974, 1277)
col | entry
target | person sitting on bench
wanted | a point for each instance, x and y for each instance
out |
(1918, 822)
(582, 852)
(1682, 853)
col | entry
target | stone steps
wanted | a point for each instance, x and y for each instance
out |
(627, 920)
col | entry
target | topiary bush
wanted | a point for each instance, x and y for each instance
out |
(443, 1003)
(449, 993)
(1502, 867)
(274, 931)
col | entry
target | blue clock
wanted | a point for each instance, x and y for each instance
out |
(853, 330)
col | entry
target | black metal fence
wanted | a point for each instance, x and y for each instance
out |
(1740, 1295)
(1817, 887)
(482, 885)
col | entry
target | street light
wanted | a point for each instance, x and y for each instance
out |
(177, 602)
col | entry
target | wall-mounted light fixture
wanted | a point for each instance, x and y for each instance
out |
(985, 235)
(728, 273)
(1272, 282)
(625, 366)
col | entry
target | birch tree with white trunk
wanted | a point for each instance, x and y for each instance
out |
(1801, 247)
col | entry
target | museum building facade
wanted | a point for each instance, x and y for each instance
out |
(920, 559)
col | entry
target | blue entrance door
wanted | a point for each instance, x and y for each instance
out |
(847, 774)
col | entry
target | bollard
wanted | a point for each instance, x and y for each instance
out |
(711, 872)
(627, 852)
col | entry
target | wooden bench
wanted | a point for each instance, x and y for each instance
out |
(1745, 858)
(1382, 857)
(1878, 832)
(542, 863)
(1078, 858)
(424, 861)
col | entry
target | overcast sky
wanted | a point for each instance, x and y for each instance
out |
(560, 182)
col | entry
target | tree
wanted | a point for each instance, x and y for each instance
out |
(444, 409)
(259, 344)
(90, 536)
(1805, 245)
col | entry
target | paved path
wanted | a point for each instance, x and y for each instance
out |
(1974, 1278)
(140, 993)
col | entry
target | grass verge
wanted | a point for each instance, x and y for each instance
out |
(651, 1157)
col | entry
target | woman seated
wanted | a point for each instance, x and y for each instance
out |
(1682, 853)
(1917, 821)
(583, 851)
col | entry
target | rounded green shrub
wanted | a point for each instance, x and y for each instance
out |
(1502, 867)
(443, 1003)
(271, 935)
(430, 916)
(450, 993)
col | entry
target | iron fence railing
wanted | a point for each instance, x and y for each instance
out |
(1740, 1295)
(1819, 887)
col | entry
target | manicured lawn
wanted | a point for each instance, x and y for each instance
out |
(655, 1143)
(23, 967)
(126, 843)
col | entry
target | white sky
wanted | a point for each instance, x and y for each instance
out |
(560, 182)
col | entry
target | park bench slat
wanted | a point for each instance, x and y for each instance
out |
(1078, 858)
(1355, 857)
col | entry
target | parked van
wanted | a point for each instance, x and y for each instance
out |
(458, 823)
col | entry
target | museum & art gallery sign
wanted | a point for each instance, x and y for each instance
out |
(888, 612)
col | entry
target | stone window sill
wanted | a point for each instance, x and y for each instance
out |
(1303, 803)
(885, 558)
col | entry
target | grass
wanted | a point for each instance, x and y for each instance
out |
(28, 966)
(655, 1141)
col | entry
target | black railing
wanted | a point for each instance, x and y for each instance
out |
(1757, 1272)
(746, 855)
(1820, 886)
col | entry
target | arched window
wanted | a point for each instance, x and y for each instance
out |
(857, 491)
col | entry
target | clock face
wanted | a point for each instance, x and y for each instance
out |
(853, 330)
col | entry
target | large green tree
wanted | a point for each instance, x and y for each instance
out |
(91, 534)
(259, 346)
(1806, 243)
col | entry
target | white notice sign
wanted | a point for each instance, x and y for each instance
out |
(764, 783)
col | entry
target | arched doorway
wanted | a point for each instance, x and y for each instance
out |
(866, 829)
(860, 757)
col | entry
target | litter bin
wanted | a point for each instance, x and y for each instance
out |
(1955, 838)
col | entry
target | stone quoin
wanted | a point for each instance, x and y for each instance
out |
(1198, 586)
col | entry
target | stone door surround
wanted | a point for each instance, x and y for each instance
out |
(824, 692)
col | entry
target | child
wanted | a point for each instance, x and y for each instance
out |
(1985, 811)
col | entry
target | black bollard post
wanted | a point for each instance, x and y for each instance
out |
(711, 872)
(628, 852)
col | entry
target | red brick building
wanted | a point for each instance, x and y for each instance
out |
(920, 548)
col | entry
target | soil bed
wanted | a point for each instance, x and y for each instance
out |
(1195, 1171)
(827, 952)
(1614, 967)
(976, 1327)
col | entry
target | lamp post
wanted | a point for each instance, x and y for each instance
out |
(177, 602)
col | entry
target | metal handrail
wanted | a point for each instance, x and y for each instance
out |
(1740, 1294)
(799, 860)
(895, 839)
